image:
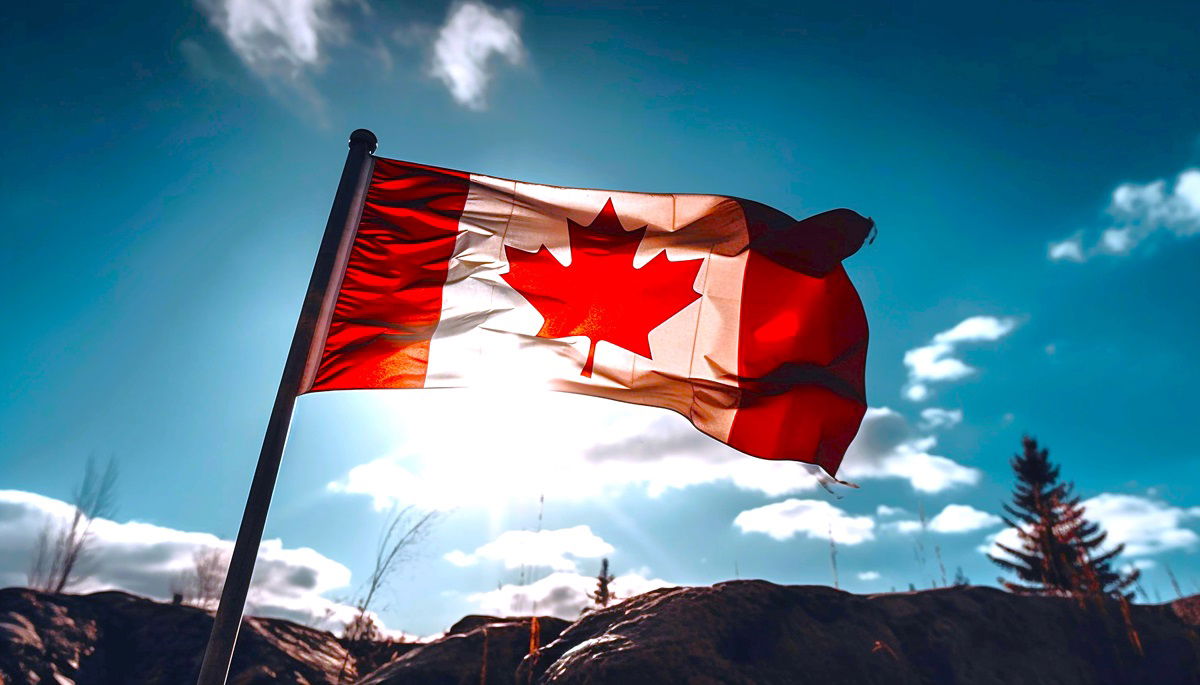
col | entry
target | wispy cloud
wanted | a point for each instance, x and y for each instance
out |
(1068, 250)
(286, 42)
(556, 549)
(1139, 212)
(937, 363)
(934, 417)
(976, 329)
(815, 519)
(276, 38)
(474, 36)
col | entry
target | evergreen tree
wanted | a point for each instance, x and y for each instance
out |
(602, 596)
(960, 578)
(1060, 552)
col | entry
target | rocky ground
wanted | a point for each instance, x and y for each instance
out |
(735, 632)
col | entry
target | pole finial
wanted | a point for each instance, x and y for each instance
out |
(365, 138)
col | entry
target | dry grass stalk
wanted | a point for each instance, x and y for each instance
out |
(881, 646)
(1174, 582)
(1091, 587)
(535, 637)
(1130, 631)
(833, 557)
(483, 661)
(937, 551)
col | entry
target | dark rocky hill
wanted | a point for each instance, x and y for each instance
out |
(758, 632)
(114, 637)
(734, 632)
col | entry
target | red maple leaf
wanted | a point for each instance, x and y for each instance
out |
(601, 294)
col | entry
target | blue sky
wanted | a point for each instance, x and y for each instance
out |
(1034, 170)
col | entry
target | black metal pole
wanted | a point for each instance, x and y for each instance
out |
(297, 376)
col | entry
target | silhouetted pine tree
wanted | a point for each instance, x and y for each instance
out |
(1060, 549)
(960, 578)
(602, 596)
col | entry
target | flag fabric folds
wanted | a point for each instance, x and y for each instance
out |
(731, 313)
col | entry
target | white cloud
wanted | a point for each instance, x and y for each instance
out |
(976, 329)
(573, 446)
(885, 447)
(885, 510)
(1116, 240)
(869, 575)
(562, 594)
(1145, 209)
(954, 518)
(1007, 537)
(460, 558)
(145, 559)
(917, 392)
(1140, 211)
(908, 526)
(961, 518)
(925, 472)
(275, 38)
(463, 51)
(816, 519)
(936, 363)
(555, 549)
(1069, 250)
(581, 448)
(934, 417)
(1144, 525)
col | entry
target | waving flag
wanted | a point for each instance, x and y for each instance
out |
(727, 311)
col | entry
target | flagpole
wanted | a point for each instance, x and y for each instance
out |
(298, 374)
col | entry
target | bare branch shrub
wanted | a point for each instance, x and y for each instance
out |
(361, 628)
(201, 585)
(402, 530)
(62, 546)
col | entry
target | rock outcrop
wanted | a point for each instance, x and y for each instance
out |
(478, 650)
(114, 637)
(734, 632)
(759, 632)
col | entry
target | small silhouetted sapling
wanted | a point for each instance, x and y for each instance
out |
(603, 595)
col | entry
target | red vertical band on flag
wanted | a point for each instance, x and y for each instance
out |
(391, 297)
(802, 349)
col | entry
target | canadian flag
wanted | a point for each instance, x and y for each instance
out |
(724, 310)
